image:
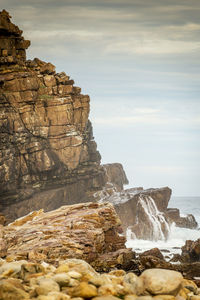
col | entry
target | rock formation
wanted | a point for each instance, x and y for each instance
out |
(142, 211)
(48, 156)
(88, 231)
(187, 221)
(48, 153)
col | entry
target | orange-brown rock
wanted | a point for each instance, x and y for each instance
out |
(12, 44)
(46, 141)
(87, 231)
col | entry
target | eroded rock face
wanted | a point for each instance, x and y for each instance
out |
(46, 139)
(116, 175)
(191, 251)
(143, 211)
(87, 231)
(187, 221)
(12, 44)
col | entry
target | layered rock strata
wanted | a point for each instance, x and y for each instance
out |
(89, 231)
(48, 154)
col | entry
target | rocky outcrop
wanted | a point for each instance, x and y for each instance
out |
(191, 251)
(48, 153)
(116, 175)
(89, 231)
(187, 221)
(142, 211)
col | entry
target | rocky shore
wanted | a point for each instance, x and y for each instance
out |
(69, 232)
(77, 280)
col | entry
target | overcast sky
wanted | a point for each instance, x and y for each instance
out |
(139, 60)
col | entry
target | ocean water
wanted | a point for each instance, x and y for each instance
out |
(177, 236)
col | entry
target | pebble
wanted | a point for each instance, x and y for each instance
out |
(47, 285)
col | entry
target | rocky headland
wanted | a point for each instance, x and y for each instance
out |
(63, 206)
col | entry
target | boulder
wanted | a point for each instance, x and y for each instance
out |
(159, 281)
(191, 251)
(87, 231)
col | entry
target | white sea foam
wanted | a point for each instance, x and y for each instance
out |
(177, 235)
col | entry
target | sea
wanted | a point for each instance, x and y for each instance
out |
(177, 236)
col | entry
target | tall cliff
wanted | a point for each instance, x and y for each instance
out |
(48, 155)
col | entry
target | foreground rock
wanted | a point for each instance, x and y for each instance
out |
(75, 279)
(89, 231)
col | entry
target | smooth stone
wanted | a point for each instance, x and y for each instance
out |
(107, 297)
(62, 279)
(74, 274)
(11, 291)
(59, 296)
(195, 297)
(164, 297)
(133, 284)
(11, 268)
(85, 290)
(162, 281)
(47, 285)
(130, 297)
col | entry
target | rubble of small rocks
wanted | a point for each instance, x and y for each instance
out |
(75, 279)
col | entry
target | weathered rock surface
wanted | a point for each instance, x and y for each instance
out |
(190, 270)
(75, 279)
(159, 281)
(138, 210)
(116, 175)
(188, 221)
(88, 231)
(191, 251)
(48, 156)
(46, 140)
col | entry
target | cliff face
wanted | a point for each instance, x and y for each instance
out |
(48, 156)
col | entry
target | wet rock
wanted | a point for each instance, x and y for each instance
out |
(191, 251)
(143, 212)
(159, 281)
(153, 252)
(188, 221)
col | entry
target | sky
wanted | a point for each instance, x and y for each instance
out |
(139, 60)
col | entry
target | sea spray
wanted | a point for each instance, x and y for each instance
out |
(177, 236)
(156, 218)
